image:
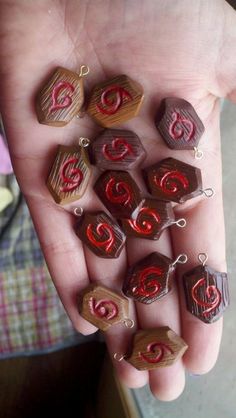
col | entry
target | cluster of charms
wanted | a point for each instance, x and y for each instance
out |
(116, 152)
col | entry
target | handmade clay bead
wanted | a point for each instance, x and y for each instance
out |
(101, 234)
(119, 193)
(149, 279)
(179, 124)
(206, 293)
(69, 175)
(115, 101)
(153, 348)
(103, 307)
(117, 149)
(61, 98)
(150, 219)
(173, 180)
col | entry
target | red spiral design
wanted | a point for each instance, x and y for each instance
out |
(172, 182)
(102, 231)
(177, 132)
(64, 101)
(70, 176)
(112, 99)
(148, 287)
(158, 349)
(145, 226)
(212, 293)
(120, 145)
(103, 308)
(118, 192)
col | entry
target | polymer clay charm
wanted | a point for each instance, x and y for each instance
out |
(62, 97)
(150, 220)
(70, 173)
(179, 125)
(100, 233)
(103, 308)
(149, 279)
(115, 101)
(154, 348)
(175, 181)
(119, 193)
(206, 291)
(117, 149)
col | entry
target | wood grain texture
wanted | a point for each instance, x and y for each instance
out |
(101, 234)
(69, 175)
(60, 99)
(206, 293)
(119, 193)
(150, 220)
(149, 279)
(173, 180)
(102, 307)
(115, 101)
(178, 124)
(154, 348)
(117, 149)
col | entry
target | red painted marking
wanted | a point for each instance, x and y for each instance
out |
(103, 308)
(65, 101)
(148, 287)
(71, 176)
(120, 145)
(172, 182)
(145, 226)
(122, 189)
(212, 293)
(112, 99)
(102, 229)
(159, 349)
(177, 132)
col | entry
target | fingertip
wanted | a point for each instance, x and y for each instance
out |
(130, 376)
(84, 327)
(168, 384)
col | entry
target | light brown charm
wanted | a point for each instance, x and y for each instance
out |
(69, 175)
(61, 98)
(115, 101)
(103, 307)
(155, 348)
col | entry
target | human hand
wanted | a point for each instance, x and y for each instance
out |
(182, 49)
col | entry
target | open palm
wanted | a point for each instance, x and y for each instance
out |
(173, 49)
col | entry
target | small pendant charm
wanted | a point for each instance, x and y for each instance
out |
(62, 97)
(119, 193)
(117, 149)
(148, 280)
(103, 307)
(150, 220)
(115, 101)
(101, 234)
(179, 124)
(154, 348)
(69, 175)
(174, 181)
(206, 291)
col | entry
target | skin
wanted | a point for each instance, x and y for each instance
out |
(182, 49)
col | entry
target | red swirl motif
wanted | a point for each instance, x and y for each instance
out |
(102, 230)
(64, 101)
(122, 190)
(71, 176)
(177, 132)
(120, 145)
(103, 308)
(112, 99)
(212, 293)
(145, 226)
(158, 349)
(172, 182)
(148, 287)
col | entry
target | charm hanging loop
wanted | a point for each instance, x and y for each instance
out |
(129, 323)
(202, 257)
(118, 356)
(84, 70)
(84, 142)
(209, 192)
(78, 212)
(181, 223)
(198, 154)
(181, 259)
